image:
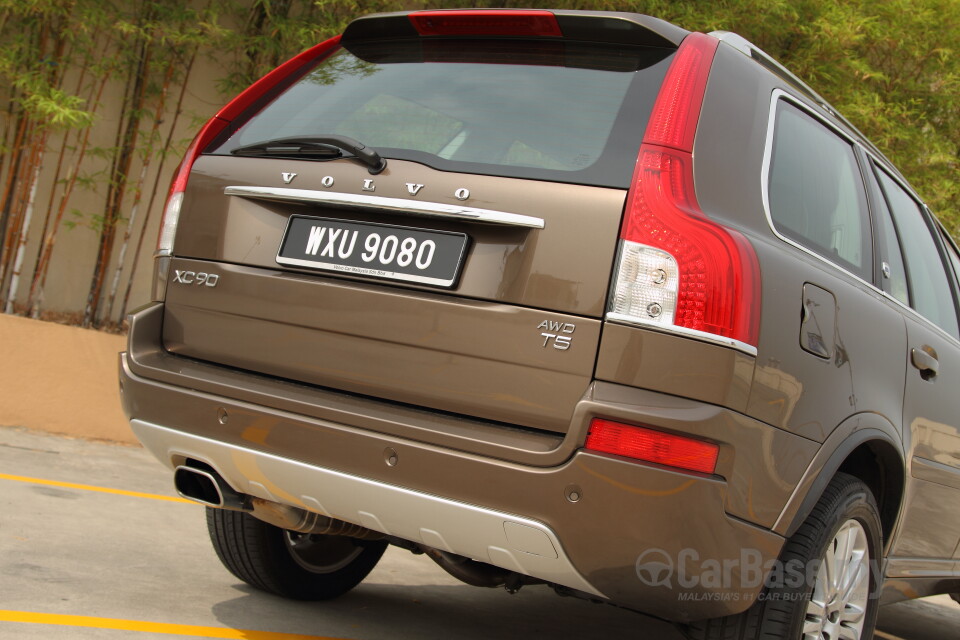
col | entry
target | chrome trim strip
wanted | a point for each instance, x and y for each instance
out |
(764, 192)
(748, 349)
(921, 568)
(469, 530)
(935, 472)
(390, 205)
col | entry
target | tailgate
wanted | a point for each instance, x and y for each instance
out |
(513, 340)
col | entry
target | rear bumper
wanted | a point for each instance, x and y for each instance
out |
(509, 541)
(506, 500)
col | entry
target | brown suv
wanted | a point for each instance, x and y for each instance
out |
(572, 298)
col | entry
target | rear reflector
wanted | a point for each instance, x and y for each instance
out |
(486, 23)
(606, 436)
(678, 269)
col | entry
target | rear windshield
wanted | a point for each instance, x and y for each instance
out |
(549, 111)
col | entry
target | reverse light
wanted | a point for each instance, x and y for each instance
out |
(648, 445)
(259, 92)
(677, 269)
(530, 23)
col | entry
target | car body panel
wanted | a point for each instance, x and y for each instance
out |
(673, 364)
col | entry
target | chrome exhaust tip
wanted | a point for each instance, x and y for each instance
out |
(204, 485)
(208, 488)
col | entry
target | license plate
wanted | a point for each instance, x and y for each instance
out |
(371, 249)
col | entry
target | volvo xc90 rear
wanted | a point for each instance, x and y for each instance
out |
(521, 290)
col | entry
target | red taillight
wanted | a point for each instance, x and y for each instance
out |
(606, 436)
(673, 121)
(482, 22)
(677, 267)
(258, 90)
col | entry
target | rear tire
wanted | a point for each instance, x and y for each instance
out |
(843, 533)
(288, 564)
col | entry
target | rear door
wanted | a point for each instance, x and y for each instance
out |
(930, 528)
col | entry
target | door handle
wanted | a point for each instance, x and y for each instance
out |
(925, 360)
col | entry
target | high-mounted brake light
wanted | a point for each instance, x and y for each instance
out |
(678, 269)
(486, 22)
(215, 126)
(626, 440)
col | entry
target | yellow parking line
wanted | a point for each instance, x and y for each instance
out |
(88, 487)
(149, 627)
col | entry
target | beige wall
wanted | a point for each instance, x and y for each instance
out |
(60, 379)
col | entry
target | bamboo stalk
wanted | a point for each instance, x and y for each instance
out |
(138, 188)
(20, 196)
(7, 214)
(44, 230)
(9, 131)
(156, 182)
(25, 224)
(22, 206)
(50, 231)
(43, 266)
(118, 180)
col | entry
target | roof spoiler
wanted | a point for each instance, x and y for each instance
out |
(579, 26)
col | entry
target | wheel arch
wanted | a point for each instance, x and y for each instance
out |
(866, 446)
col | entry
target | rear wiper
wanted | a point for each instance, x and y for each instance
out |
(326, 147)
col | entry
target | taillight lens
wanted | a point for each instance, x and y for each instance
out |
(678, 269)
(258, 91)
(640, 443)
(486, 22)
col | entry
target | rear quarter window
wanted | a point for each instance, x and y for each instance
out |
(816, 193)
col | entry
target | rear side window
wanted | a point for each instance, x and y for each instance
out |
(953, 257)
(893, 270)
(930, 291)
(816, 193)
(556, 111)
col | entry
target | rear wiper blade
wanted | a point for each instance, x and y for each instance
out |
(326, 146)
(289, 147)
